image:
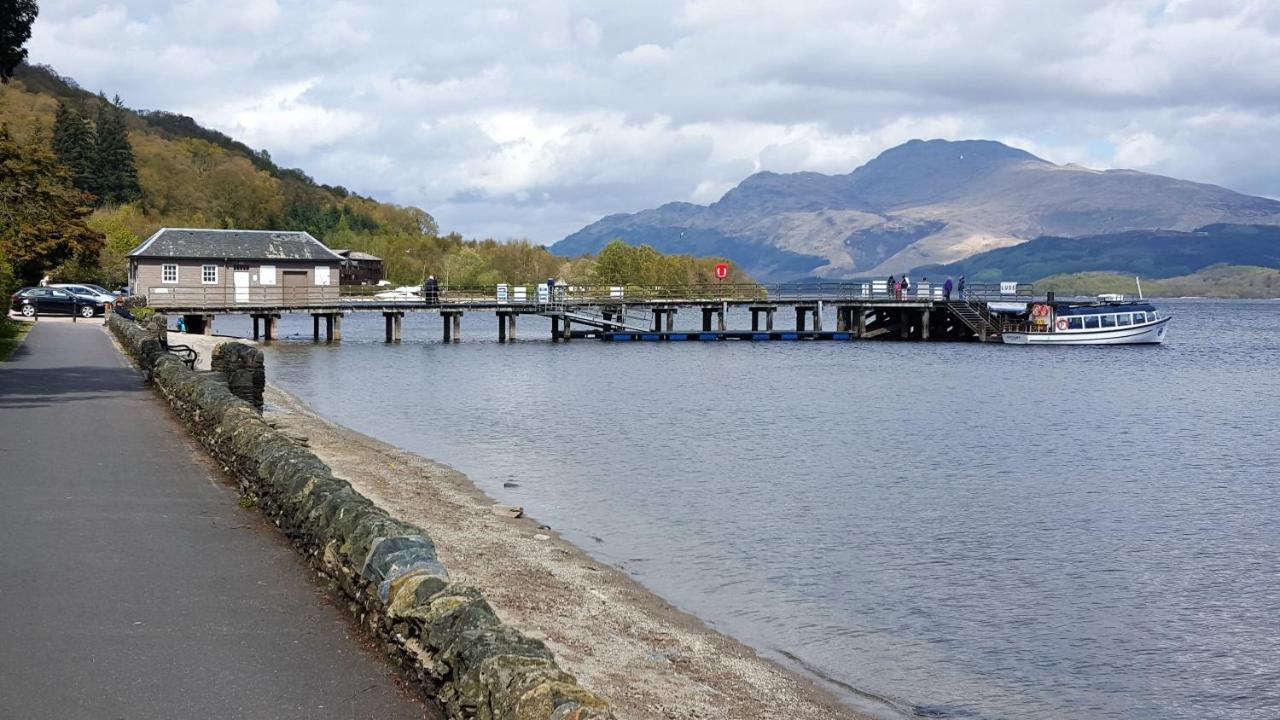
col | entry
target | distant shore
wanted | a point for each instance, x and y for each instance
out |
(651, 660)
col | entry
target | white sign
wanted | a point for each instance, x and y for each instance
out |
(267, 273)
(502, 292)
(520, 293)
(544, 295)
(615, 292)
(880, 287)
(1008, 288)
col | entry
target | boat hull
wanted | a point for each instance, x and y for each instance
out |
(1152, 333)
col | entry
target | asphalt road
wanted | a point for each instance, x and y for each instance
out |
(132, 585)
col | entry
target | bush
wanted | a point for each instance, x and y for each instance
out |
(8, 283)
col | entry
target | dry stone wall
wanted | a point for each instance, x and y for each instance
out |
(443, 634)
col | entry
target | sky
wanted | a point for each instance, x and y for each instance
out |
(533, 119)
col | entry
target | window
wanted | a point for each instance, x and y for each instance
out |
(169, 273)
(1139, 318)
(1091, 322)
(1108, 321)
(322, 275)
(209, 274)
(267, 275)
(1124, 319)
(1075, 323)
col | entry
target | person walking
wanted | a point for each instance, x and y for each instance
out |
(960, 289)
(906, 285)
(946, 289)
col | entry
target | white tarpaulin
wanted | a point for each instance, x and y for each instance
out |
(1007, 307)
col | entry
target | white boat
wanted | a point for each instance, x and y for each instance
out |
(1100, 323)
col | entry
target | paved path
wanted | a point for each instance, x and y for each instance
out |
(131, 584)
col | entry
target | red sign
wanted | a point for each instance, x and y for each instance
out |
(722, 270)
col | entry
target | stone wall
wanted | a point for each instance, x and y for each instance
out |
(244, 369)
(441, 633)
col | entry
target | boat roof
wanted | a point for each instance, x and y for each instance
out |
(1101, 307)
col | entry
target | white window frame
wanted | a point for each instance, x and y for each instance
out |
(204, 278)
(164, 273)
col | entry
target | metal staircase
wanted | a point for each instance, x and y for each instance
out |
(974, 313)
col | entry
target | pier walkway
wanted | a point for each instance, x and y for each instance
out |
(131, 583)
(862, 310)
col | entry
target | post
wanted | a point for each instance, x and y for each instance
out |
(457, 327)
(398, 325)
(386, 321)
(800, 312)
(448, 327)
(817, 317)
(567, 329)
(315, 328)
(755, 319)
(924, 324)
(706, 318)
(657, 319)
(842, 318)
(768, 319)
(337, 327)
(511, 326)
(671, 319)
(502, 328)
(555, 328)
(208, 324)
(269, 327)
(862, 321)
(720, 323)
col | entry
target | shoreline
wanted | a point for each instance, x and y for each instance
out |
(650, 659)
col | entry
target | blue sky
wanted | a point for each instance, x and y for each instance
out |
(533, 119)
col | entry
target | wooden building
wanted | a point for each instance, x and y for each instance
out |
(359, 268)
(182, 267)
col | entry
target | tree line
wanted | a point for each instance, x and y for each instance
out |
(90, 179)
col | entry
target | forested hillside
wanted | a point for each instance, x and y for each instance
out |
(87, 179)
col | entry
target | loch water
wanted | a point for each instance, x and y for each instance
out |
(961, 530)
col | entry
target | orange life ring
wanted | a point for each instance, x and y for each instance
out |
(1040, 310)
(1062, 323)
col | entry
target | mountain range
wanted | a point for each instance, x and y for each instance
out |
(922, 203)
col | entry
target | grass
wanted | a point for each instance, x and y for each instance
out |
(11, 334)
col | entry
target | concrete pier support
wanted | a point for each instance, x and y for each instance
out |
(332, 326)
(269, 326)
(924, 324)
(671, 319)
(801, 311)
(555, 328)
(860, 330)
(805, 310)
(720, 321)
(757, 311)
(393, 322)
(315, 328)
(201, 324)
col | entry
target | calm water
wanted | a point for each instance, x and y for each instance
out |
(969, 531)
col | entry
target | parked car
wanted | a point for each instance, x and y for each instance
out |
(51, 300)
(87, 290)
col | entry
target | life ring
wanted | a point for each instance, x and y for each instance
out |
(1040, 310)
(1062, 323)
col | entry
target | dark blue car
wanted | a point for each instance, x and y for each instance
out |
(54, 301)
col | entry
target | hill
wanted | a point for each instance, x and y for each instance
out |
(921, 203)
(1149, 253)
(1219, 281)
(191, 176)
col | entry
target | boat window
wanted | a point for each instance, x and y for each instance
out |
(1108, 321)
(1091, 322)
(1124, 319)
(1154, 316)
(1139, 318)
(1075, 323)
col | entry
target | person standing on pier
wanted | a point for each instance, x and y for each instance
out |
(891, 287)
(960, 289)
(946, 289)
(897, 290)
(906, 285)
(430, 291)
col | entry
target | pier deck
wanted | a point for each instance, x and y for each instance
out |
(863, 310)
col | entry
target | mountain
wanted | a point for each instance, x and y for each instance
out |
(920, 203)
(1149, 253)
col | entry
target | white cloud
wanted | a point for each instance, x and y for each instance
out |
(533, 119)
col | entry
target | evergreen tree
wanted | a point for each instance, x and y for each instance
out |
(16, 17)
(75, 146)
(42, 215)
(115, 174)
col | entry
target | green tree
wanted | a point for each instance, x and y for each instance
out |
(115, 224)
(16, 17)
(74, 144)
(116, 174)
(42, 214)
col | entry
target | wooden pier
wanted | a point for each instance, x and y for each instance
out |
(862, 310)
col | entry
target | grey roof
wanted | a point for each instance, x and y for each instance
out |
(355, 254)
(233, 244)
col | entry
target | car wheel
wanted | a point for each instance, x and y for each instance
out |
(28, 310)
(86, 311)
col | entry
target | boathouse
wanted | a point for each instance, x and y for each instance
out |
(359, 268)
(178, 267)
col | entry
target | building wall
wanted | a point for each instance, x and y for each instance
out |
(191, 291)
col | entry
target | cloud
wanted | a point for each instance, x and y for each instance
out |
(533, 119)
